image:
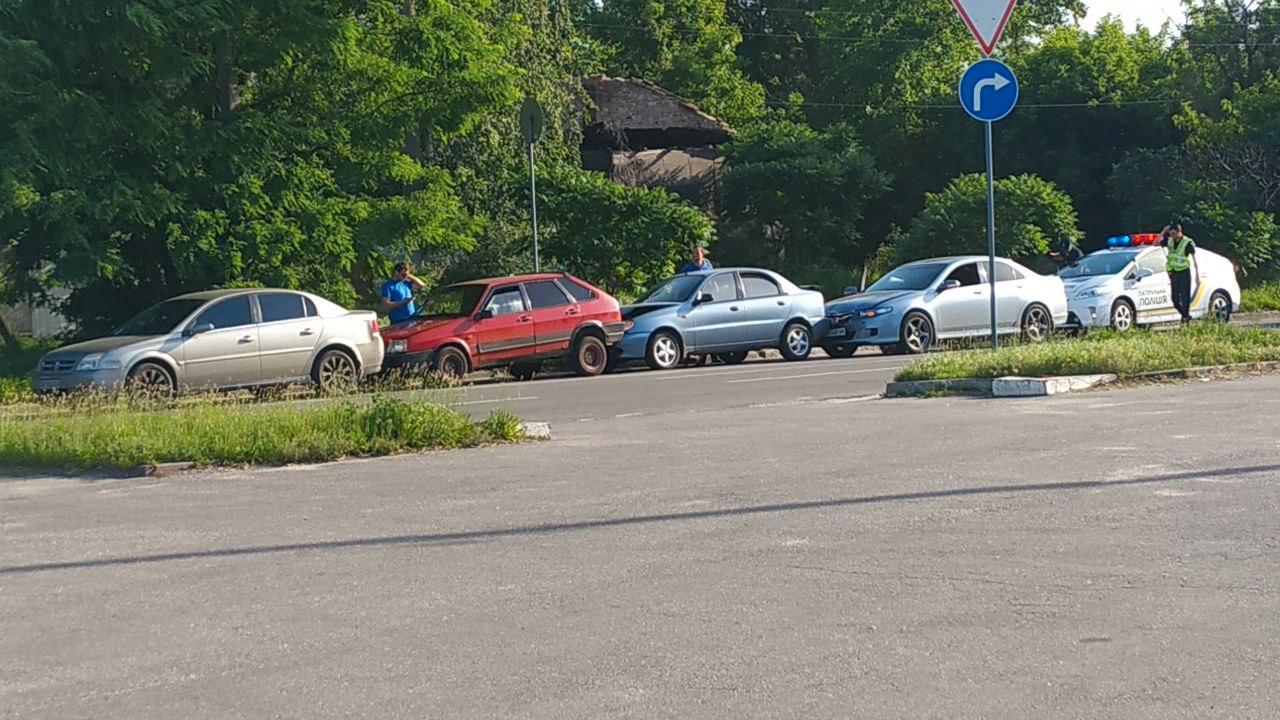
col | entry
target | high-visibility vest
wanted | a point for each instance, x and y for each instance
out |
(1179, 261)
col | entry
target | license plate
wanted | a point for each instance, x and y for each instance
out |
(838, 332)
(50, 384)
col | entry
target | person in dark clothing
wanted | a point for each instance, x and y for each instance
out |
(1181, 263)
(1067, 253)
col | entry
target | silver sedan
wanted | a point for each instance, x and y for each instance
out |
(224, 339)
(918, 304)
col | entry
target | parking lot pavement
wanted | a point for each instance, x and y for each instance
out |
(641, 392)
(1107, 555)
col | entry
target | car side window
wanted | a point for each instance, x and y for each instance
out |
(232, 312)
(576, 291)
(966, 274)
(755, 285)
(311, 307)
(1153, 261)
(545, 294)
(1006, 273)
(276, 307)
(505, 301)
(720, 287)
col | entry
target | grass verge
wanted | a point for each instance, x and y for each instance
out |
(1106, 352)
(1260, 298)
(130, 434)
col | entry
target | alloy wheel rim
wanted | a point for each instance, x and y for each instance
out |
(917, 335)
(1037, 325)
(1123, 319)
(153, 378)
(1220, 308)
(665, 351)
(337, 372)
(798, 341)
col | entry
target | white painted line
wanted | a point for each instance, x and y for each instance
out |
(774, 367)
(500, 400)
(807, 375)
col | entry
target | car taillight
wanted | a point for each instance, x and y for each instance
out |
(373, 327)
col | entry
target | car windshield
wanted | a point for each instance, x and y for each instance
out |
(160, 319)
(676, 290)
(908, 277)
(452, 301)
(1103, 263)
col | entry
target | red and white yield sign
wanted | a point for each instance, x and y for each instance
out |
(986, 19)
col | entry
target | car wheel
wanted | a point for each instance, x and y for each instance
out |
(732, 358)
(664, 351)
(1037, 324)
(1220, 307)
(917, 334)
(1122, 316)
(590, 356)
(524, 371)
(797, 341)
(452, 363)
(151, 379)
(840, 351)
(335, 372)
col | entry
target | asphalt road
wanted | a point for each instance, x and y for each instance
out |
(1106, 555)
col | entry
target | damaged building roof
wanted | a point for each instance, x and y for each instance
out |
(632, 114)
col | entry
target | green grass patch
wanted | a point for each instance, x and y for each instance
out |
(1260, 298)
(1106, 352)
(126, 433)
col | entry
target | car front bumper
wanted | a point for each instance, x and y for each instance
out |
(860, 331)
(1088, 313)
(49, 383)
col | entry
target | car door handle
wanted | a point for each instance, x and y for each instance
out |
(246, 339)
(572, 311)
(733, 308)
(782, 303)
(525, 319)
(308, 331)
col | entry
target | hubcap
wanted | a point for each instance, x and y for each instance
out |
(1037, 325)
(1123, 318)
(918, 336)
(337, 371)
(798, 341)
(1221, 309)
(665, 351)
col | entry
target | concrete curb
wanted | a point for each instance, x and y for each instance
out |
(1041, 387)
(1206, 371)
(915, 388)
(162, 469)
(536, 430)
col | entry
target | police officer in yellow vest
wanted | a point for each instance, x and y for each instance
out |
(1181, 262)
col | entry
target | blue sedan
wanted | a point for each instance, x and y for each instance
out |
(726, 313)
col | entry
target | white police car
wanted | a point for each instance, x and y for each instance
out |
(1127, 284)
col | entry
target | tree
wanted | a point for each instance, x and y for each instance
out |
(1031, 214)
(621, 238)
(794, 199)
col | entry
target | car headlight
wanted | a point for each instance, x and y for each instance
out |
(98, 361)
(875, 312)
(397, 346)
(1088, 294)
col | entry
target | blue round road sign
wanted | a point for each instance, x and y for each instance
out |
(988, 90)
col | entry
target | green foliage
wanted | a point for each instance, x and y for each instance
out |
(1261, 298)
(118, 433)
(1199, 345)
(621, 238)
(794, 199)
(1031, 214)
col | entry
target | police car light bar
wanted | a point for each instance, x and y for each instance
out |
(1130, 240)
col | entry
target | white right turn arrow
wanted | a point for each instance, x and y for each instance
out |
(997, 81)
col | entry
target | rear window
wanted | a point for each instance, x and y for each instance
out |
(576, 290)
(281, 306)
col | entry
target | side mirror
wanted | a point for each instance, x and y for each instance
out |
(852, 290)
(703, 298)
(1144, 273)
(948, 285)
(484, 314)
(199, 329)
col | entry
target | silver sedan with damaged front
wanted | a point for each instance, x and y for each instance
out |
(916, 305)
(223, 339)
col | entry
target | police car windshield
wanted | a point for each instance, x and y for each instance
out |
(909, 277)
(1102, 263)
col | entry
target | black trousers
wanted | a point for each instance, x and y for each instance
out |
(1181, 282)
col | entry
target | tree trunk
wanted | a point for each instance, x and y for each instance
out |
(10, 340)
(226, 95)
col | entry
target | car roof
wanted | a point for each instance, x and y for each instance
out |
(713, 271)
(953, 259)
(514, 279)
(229, 292)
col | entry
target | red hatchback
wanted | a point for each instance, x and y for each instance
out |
(513, 321)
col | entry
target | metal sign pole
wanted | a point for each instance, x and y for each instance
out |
(533, 200)
(991, 233)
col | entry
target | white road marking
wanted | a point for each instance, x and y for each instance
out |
(806, 375)
(499, 400)
(773, 367)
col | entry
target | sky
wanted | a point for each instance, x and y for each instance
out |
(1149, 12)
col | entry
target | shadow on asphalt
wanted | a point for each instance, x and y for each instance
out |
(457, 538)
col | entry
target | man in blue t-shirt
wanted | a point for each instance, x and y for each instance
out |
(699, 262)
(397, 293)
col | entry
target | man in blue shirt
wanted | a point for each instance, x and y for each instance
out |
(699, 262)
(397, 293)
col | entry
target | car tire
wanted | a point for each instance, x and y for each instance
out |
(797, 341)
(451, 362)
(1123, 316)
(840, 351)
(736, 357)
(590, 356)
(1219, 307)
(916, 334)
(1037, 324)
(335, 372)
(614, 362)
(664, 351)
(524, 371)
(154, 379)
